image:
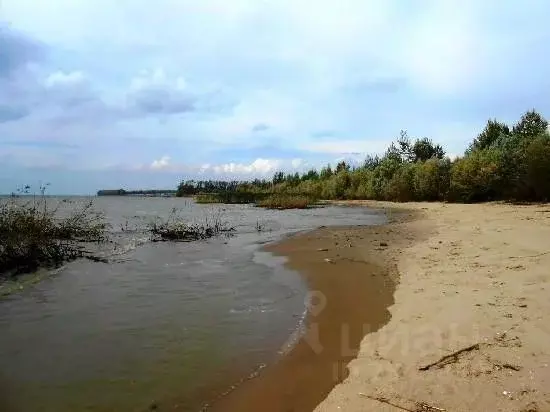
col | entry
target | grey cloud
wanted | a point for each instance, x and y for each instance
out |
(157, 101)
(17, 50)
(260, 127)
(10, 113)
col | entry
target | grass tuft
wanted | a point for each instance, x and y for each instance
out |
(175, 228)
(34, 235)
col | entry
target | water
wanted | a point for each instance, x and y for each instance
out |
(164, 323)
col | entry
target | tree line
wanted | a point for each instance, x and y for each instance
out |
(501, 163)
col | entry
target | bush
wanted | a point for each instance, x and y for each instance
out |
(176, 229)
(432, 179)
(278, 201)
(33, 235)
(401, 187)
(538, 167)
(476, 177)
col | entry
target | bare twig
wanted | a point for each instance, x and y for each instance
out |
(529, 256)
(424, 407)
(451, 358)
(419, 406)
(386, 401)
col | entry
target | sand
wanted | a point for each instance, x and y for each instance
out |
(470, 297)
(345, 294)
(473, 277)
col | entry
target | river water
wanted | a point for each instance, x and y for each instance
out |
(162, 325)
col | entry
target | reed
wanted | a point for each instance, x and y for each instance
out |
(34, 234)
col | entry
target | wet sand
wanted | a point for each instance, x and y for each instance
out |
(351, 287)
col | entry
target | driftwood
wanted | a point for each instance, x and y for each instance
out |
(387, 402)
(451, 358)
(419, 406)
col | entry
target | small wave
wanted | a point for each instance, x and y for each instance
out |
(251, 309)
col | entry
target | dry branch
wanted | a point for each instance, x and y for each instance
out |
(386, 401)
(419, 406)
(451, 358)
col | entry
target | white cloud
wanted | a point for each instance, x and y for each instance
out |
(257, 167)
(296, 163)
(346, 146)
(61, 79)
(161, 164)
(156, 79)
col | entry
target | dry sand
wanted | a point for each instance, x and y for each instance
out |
(472, 277)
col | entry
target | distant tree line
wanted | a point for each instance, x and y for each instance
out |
(501, 163)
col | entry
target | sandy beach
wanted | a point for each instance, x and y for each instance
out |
(469, 328)
(467, 290)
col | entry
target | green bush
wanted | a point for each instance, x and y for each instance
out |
(538, 167)
(401, 186)
(476, 177)
(432, 179)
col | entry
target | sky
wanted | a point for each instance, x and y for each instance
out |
(141, 94)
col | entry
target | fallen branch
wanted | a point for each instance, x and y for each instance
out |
(516, 368)
(530, 256)
(451, 358)
(386, 401)
(419, 406)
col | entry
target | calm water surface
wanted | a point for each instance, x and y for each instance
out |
(163, 323)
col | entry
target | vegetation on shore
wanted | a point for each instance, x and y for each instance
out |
(33, 234)
(174, 228)
(282, 201)
(501, 163)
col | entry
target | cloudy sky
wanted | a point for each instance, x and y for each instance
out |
(139, 94)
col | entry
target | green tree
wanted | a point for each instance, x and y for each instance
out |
(490, 134)
(477, 177)
(341, 166)
(531, 124)
(538, 167)
(326, 172)
(432, 179)
(424, 149)
(278, 177)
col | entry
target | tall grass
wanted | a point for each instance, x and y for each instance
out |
(34, 234)
(175, 228)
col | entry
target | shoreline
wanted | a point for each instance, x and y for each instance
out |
(350, 291)
(468, 330)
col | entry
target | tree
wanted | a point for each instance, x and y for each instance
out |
(531, 124)
(371, 162)
(492, 132)
(342, 166)
(538, 167)
(310, 175)
(419, 150)
(278, 177)
(326, 172)
(425, 149)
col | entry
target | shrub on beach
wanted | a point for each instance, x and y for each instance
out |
(33, 234)
(174, 228)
